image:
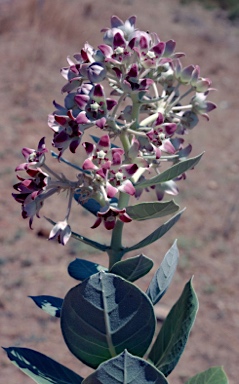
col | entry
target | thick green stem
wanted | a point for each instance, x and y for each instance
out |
(115, 251)
(123, 200)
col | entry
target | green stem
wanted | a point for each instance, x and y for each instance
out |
(123, 200)
(181, 97)
(182, 108)
(115, 250)
(117, 105)
(124, 138)
(49, 170)
(135, 111)
(149, 120)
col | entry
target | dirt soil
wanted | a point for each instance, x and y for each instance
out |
(35, 38)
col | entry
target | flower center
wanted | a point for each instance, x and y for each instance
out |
(150, 54)
(101, 155)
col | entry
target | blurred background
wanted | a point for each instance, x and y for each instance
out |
(36, 36)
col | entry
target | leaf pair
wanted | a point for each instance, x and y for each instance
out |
(130, 269)
(139, 212)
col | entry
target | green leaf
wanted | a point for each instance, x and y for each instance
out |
(91, 205)
(81, 269)
(127, 369)
(91, 243)
(102, 316)
(49, 304)
(163, 276)
(173, 335)
(157, 234)
(83, 239)
(133, 268)
(171, 173)
(42, 369)
(152, 210)
(213, 375)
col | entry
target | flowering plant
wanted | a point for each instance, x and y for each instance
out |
(107, 322)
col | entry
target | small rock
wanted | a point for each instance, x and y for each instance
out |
(212, 184)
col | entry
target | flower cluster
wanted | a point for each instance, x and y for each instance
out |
(106, 162)
(153, 102)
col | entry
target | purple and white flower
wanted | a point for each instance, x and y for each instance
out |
(109, 216)
(61, 231)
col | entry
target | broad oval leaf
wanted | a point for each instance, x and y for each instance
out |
(127, 369)
(49, 304)
(157, 234)
(102, 316)
(213, 375)
(81, 269)
(41, 368)
(163, 276)
(173, 335)
(152, 210)
(171, 173)
(133, 268)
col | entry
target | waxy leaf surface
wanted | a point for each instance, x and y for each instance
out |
(133, 268)
(91, 243)
(163, 276)
(171, 173)
(157, 234)
(213, 375)
(49, 304)
(103, 316)
(42, 369)
(81, 269)
(173, 335)
(90, 205)
(127, 369)
(152, 210)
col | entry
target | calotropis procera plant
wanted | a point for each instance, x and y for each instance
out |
(107, 322)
